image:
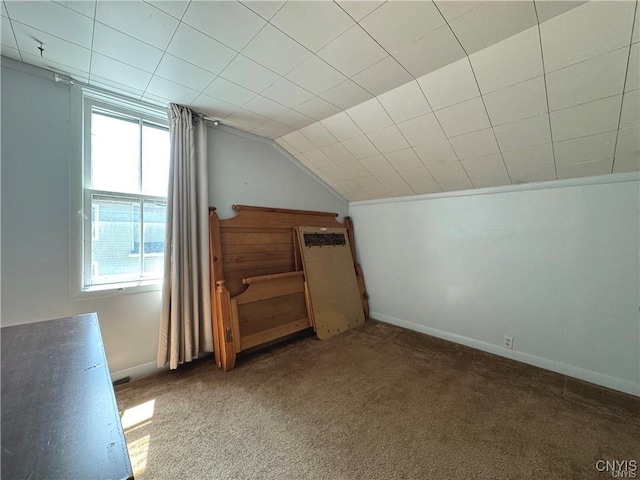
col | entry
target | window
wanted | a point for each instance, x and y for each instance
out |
(125, 176)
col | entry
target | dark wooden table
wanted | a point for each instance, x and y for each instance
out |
(59, 414)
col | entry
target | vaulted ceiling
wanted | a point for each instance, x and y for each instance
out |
(379, 99)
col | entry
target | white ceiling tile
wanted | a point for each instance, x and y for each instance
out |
(334, 173)
(4, 10)
(484, 166)
(249, 74)
(197, 48)
(517, 102)
(110, 69)
(312, 24)
(405, 159)
(173, 91)
(456, 184)
(354, 169)
(318, 135)
(397, 24)
(586, 31)
(586, 169)
(85, 7)
(360, 147)
(213, 107)
(627, 163)
(463, 117)
(382, 76)
(423, 129)
(352, 52)
(316, 75)
(286, 145)
(287, 93)
(492, 22)
(273, 49)
(347, 185)
(230, 23)
(359, 10)
(80, 75)
(530, 158)
(431, 52)
(245, 118)
(318, 158)
(299, 142)
(491, 180)
(138, 19)
(435, 153)
(630, 115)
(376, 164)
(370, 116)
(368, 183)
(452, 10)
(534, 175)
(628, 142)
(400, 191)
(274, 129)
(10, 52)
(229, 92)
(633, 68)
(508, 62)
(338, 154)
(265, 8)
(587, 119)
(294, 119)
(54, 19)
(548, 9)
(341, 126)
(317, 108)
(265, 107)
(175, 8)
(405, 102)
(420, 180)
(636, 29)
(388, 139)
(448, 172)
(178, 71)
(6, 31)
(125, 90)
(346, 94)
(449, 85)
(523, 133)
(475, 144)
(124, 48)
(391, 179)
(596, 78)
(593, 148)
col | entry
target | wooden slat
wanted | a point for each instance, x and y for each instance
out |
(256, 248)
(249, 219)
(268, 278)
(274, 333)
(255, 238)
(234, 279)
(256, 256)
(235, 326)
(253, 208)
(256, 317)
(275, 288)
(230, 267)
(256, 229)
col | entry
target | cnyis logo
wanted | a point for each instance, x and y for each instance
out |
(618, 468)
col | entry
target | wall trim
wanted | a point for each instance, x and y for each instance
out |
(137, 371)
(541, 362)
(571, 182)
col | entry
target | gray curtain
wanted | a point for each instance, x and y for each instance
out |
(186, 327)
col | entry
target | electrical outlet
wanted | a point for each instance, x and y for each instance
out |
(508, 342)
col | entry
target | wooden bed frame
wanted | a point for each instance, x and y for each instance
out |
(258, 289)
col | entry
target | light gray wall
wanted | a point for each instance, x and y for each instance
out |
(557, 269)
(250, 172)
(37, 157)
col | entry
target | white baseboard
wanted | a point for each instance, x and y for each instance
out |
(137, 371)
(558, 367)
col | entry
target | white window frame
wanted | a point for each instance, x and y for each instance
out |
(127, 109)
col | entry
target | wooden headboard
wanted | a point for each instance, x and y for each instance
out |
(257, 250)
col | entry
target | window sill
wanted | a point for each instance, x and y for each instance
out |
(116, 289)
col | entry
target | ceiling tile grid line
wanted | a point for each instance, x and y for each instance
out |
(635, 15)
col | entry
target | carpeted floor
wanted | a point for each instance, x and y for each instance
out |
(377, 402)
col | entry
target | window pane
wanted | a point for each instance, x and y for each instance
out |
(155, 160)
(116, 226)
(155, 217)
(115, 153)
